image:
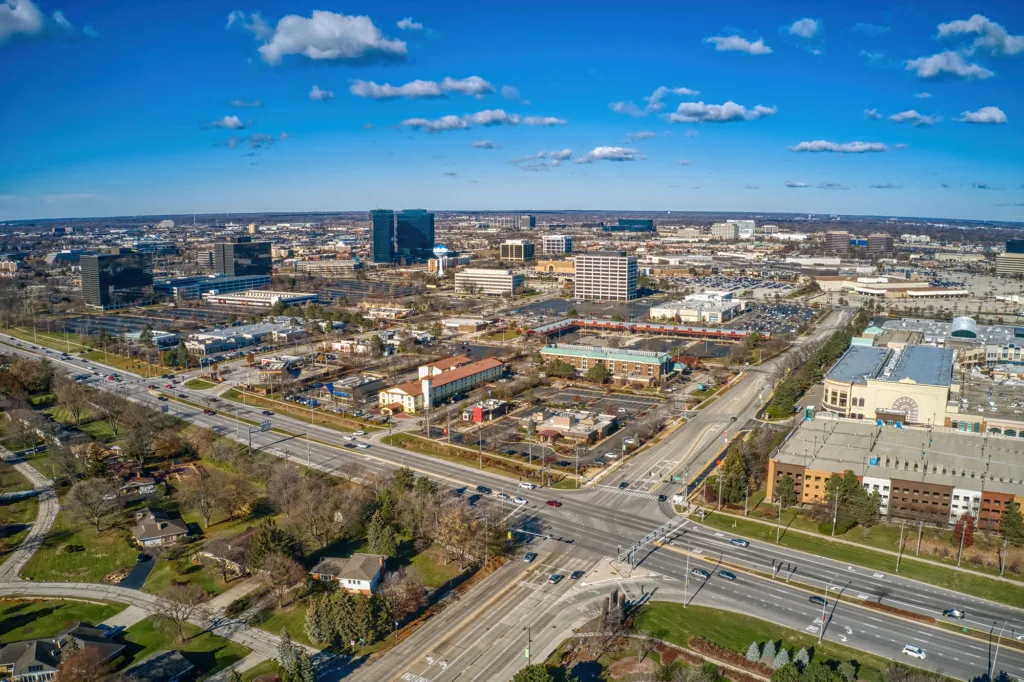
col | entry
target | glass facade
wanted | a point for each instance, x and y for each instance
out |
(382, 236)
(116, 280)
(415, 233)
(243, 258)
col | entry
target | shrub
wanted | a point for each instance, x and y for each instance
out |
(238, 606)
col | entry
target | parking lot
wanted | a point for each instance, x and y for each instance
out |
(592, 400)
(773, 319)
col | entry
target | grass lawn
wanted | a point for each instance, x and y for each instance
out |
(328, 419)
(969, 583)
(50, 340)
(429, 568)
(506, 335)
(418, 444)
(670, 622)
(101, 431)
(165, 572)
(17, 513)
(264, 668)
(292, 616)
(120, 362)
(199, 384)
(36, 619)
(104, 552)
(11, 480)
(207, 652)
(40, 461)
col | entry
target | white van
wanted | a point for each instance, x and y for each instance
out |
(527, 486)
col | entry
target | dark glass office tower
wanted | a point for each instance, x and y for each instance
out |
(242, 257)
(117, 279)
(415, 234)
(382, 235)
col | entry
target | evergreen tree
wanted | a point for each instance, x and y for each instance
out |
(847, 671)
(1011, 525)
(781, 658)
(753, 652)
(538, 672)
(787, 673)
(317, 627)
(785, 491)
(599, 373)
(146, 336)
(182, 358)
(403, 479)
(802, 658)
(734, 475)
(381, 537)
(816, 671)
(769, 652)
(343, 611)
(288, 653)
(270, 539)
(306, 671)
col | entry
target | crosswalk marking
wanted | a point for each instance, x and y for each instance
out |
(628, 491)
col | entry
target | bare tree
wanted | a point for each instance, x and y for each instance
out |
(285, 487)
(114, 409)
(72, 396)
(93, 501)
(202, 494)
(84, 665)
(279, 574)
(317, 513)
(183, 602)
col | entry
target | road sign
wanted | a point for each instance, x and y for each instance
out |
(163, 408)
(265, 425)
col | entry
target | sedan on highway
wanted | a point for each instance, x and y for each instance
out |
(519, 500)
(740, 542)
(953, 613)
(530, 556)
(576, 575)
(728, 575)
(554, 579)
(553, 503)
(700, 573)
(483, 490)
(914, 651)
(162, 399)
(209, 412)
(624, 484)
(266, 413)
(818, 600)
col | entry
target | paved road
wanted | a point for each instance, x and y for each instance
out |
(45, 516)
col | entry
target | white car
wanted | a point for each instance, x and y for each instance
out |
(519, 500)
(914, 651)
(527, 486)
(611, 455)
(362, 446)
(359, 433)
(347, 438)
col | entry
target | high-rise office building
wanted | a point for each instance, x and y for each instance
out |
(728, 231)
(382, 235)
(242, 257)
(880, 243)
(630, 225)
(116, 279)
(606, 275)
(1015, 246)
(744, 228)
(516, 250)
(527, 222)
(205, 260)
(414, 233)
(557, 243)
(1009, 263)
(837, 242)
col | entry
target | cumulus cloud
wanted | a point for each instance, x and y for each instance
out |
(872, 114)
(231, 122)
(915, 119)
(922, 95)
(627, 108)
(832, 185)
(805, 28)
(947, 65)
(692, 134)
(408, 24)
(640, 136)
(868, 29)
(989, 35)
(510, 92)
(840, 148)
(488, 117)
(794, 183)
(983, 115)
(698, 112)
(654, 102)
(543, 160)
(610, 154)
(986, 185)
(885, 185)
(486, 144)
(417, 89)
(22, 19)
(683, 162)
(246, 104)
(318, 95)
(738, 44)
(322, 37)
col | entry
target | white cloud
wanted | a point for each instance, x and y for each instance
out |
(510, 92)
(983, 115)
(318, 95)
(832, 185)
(872, 57)
(408, 24)
(915, 119)
(947, 64)
(323, 36)
(486, 144)
(418, 89)
(654, 102)
(738, 44)
(923, 95)
(793, 183)
(698, 112)
(62, 198)
(23, 19)
(856, 147)
(640, 136)
(804, 28)
(990, 35)
(610, 154)
(246, 104)
(872, 114)
(627, 108)
(488, 117)
(231, 122)
(885, 185)
(543, 160)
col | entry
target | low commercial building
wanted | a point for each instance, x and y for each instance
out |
(574, 425)
(932, 475)
(335, 267)
(494, 281)
(466, 324)
(633, 365)
(556, 267)
(384, 312)
(713, 311)
(258, 298)
(160, 339)
(486, 410)
(231, 338)
(436, 386)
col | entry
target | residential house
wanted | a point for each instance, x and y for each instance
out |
(228, 555)
(39, 660)
(358, 573)
(164, 666)
(155, 528)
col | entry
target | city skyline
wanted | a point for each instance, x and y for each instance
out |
(160, 109)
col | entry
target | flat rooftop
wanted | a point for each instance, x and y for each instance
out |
(916, 454)
(921, 364)
(936, 331)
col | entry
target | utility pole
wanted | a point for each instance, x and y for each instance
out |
(899, 551)
(527, 628)
(835, 511)
(824, 605)
(999, 640)
(1002, 564)
(307, 448)
(778, 526)
(686, 579)
(960, 552)
(920, 529)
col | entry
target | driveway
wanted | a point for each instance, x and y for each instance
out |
(137, 578)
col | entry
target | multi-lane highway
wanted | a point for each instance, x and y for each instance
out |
(603, 519)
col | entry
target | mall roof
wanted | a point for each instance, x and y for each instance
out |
(600, 353)
(921, 364)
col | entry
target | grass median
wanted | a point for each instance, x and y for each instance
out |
(960, 581)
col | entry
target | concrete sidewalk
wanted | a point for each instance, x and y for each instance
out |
(45, 517)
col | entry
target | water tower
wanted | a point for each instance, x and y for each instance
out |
(441, 253)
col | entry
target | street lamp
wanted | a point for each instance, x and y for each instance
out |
(824, 605)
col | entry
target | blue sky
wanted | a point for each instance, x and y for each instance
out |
(121, 108)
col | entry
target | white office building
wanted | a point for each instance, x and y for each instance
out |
(727, 231)
(557, 243)
(260, 298)
(487, 281)
(606, 276)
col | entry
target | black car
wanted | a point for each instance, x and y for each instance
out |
(266, 413)
(576, 575)
(350, 445)
(530, 556)
(662, 498)
(819, 601)
(953, 613)
(483, 490)
(142, 558)
(624, 484)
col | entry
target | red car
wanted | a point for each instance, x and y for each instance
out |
(554, 503)
(209, 412)
(168, 386)
(151, 386)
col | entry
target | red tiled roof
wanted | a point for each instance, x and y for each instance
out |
(451, 363)
(444, 378)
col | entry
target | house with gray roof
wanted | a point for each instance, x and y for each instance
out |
(358, 573)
